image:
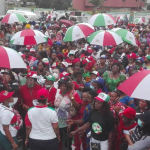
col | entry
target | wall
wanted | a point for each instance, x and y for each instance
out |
(79, 4)
(84, 5)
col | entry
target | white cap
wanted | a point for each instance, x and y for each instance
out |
(32, 50)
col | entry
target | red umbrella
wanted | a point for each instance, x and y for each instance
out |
(66, 22)
(137, 86)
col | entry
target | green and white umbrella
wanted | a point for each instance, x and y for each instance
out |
(126, 35)
(102, 20)
(104, 38)
(139, 20)
(78, 31)
(12, 18)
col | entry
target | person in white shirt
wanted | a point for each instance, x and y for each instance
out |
(42, 131)
(10, 122)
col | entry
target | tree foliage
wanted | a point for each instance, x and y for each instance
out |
(96, 3)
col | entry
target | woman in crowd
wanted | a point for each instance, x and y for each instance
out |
(41, 68)
(102, 123)
(143, 106)
(10, 122)
(64, 101)
(113, 77)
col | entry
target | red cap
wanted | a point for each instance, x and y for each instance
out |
(130, 113)
(32, 74)
(76, 60)
(5, 95)
(42, 94)
(64, 74)
(132, 55)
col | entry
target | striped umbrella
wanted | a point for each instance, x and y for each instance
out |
(139, 20)
(137, 86)
(10, 58)
(102, 20)
(104, 38)
(78, 31)
(12, 18)
(28, 37)
(126, 35)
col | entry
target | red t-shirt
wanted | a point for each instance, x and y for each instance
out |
(51, 95)
(29, 94)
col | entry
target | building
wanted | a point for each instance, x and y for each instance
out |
(84, 5)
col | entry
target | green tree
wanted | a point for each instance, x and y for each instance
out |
(96, 3)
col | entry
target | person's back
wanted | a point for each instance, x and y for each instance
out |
(41, 118)
(42, 131)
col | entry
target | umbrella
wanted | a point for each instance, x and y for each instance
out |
(10, 58)
(104, 38)
(12, 18)
(102, 20)
(78, 31)
(126, 35)
(66, 22)
(137, 86)
(120, 18)
(139, 20)
(28, 37)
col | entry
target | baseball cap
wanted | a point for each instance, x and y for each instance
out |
(64, 80)
(132, 55)
(32, 74)
(64, 74)
(5, 95)
(50, 78)
(46, 61)
(42, 94)
(145, 117)
(103, 56)
(32, 50)
(140, 60)
(5, 71)
(130, 113)
(99, 80)
(102, 97)
(95, 72)
(72, 52)
(65, 64)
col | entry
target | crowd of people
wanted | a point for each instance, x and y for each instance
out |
(68, 96)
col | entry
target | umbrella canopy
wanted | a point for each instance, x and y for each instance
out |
(120, 18)
(102, 20)
(10, 58)
(139, 20)
(12, 18)
(28, 37)
(104, 38)
(126, 35)
(78, 31)
(68, 23)
(137, 86)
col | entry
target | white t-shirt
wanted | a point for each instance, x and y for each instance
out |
(41, 120)
(6, 116)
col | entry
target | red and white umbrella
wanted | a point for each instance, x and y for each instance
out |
(104, 38)
(28, 37)
(11, 18)
(10, 58)
(78, 31)
(120, 18)
(137, 86)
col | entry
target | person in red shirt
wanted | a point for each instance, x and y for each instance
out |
(49, 85)
(27, 58)
(71, 55)
(29, 90)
